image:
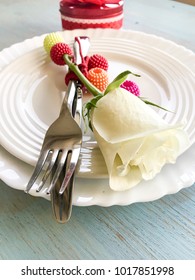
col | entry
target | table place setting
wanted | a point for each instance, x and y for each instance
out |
(97, 116)
(166, 94)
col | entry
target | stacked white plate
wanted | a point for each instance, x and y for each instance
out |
(31, 92)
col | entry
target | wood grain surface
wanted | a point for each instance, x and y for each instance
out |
(162, 229)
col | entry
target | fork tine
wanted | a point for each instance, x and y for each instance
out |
(39, 166)
(54, 156)
(70, 170)
(61, 162)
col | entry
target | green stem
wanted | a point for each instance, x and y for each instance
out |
(74, 68)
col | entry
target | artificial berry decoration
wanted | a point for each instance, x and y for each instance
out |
(70, 76)
(98, 77)
(99, 61)
(52, 39)
(131, 87)
(58, 51)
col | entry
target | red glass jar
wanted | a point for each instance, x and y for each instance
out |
(85, 15)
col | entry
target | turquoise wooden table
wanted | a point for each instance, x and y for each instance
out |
(161, 229)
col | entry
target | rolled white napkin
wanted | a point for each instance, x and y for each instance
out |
(134, 140)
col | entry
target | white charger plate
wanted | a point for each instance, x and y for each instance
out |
(30, 81)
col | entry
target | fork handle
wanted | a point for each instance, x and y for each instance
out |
(61, 209)
(69, 97)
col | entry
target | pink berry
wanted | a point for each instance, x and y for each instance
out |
(58, 51)
(131, 87)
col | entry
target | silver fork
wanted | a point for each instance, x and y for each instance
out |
(62, 202)
(61, 147)
(62, 141)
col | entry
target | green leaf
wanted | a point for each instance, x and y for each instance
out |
(88, 107)
(153, 104)
(119, 80)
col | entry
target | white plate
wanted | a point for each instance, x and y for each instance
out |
(31, 94)
(165, 80)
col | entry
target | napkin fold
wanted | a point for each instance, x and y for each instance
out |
(134, 140)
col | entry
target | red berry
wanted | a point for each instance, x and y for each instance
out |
(58, 51)
(131, 87)
(97, 61)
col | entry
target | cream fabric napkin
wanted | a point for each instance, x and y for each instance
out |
(134, 140)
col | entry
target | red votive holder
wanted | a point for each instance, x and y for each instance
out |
(85, 15)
